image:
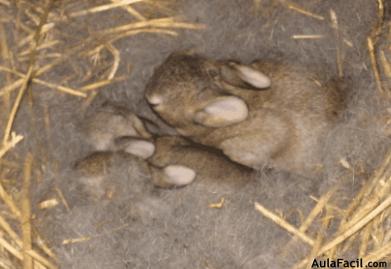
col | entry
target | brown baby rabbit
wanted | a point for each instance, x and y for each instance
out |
(109, 122)
(104, 174)
(173, 162)
(121, 142)
(262, 114)
(210, 165)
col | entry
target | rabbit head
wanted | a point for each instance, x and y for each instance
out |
(186, 91)
(106, 127)
(119, 137)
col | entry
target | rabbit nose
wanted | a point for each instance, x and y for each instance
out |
(154, 99)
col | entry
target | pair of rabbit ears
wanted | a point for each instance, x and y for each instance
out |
(228, 110)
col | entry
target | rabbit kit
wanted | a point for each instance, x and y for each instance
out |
(177, 117)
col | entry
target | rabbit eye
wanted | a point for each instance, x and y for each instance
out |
(212, 73)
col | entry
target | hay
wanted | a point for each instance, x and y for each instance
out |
(38, 51)
(369, 208)
(34, 26)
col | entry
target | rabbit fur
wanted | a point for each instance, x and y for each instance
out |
(265, 114)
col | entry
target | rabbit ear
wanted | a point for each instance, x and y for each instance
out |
(179, 175)
(139, 126)
(244, 76)
(172, 176)
(222, 111)
(137, 147)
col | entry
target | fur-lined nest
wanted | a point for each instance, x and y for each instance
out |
(62, 48)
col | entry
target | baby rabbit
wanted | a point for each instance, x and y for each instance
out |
(121, 141)
(104, 174)
(210, 165)
(173, 161)
(262, 114)
(103, 126)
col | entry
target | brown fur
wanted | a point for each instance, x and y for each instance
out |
(286, 123)
(96, 169)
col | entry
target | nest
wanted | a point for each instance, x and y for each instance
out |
(36, 41)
